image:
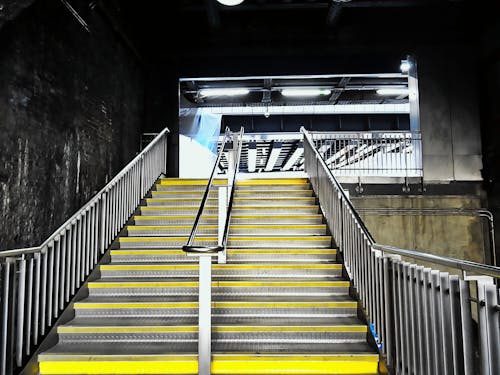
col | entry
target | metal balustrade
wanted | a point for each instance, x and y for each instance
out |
(379, 154)
(425, 321)
(36, 284)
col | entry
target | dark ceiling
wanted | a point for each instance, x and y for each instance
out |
(173, 30)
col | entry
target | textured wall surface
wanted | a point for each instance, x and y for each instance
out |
(71, 107)
(456, 236)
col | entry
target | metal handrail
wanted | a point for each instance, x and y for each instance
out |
(463, 265)
(231, 195)
(420, 317)
(308, 137)
(96, 197)
(459, 264)
(189, 248)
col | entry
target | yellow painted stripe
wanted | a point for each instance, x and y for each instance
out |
(274, 198)
(284, 191)
(220, 365)
(196, 182)
(215, 284)
(153, 200)
(154, 267)
(188, 217)
(292, 207)
(220, 329)
(235, 238)
(226, 304)
(231, 251)
(278, 181)
(173, 217)
(234, 226)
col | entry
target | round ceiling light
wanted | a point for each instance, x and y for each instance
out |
(230, 3)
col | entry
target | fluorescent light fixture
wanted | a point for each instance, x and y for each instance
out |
(392, 92)
(405, 66)
(230, 3)
(224, 92)
(305, 92)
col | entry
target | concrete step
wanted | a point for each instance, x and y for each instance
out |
(233, 255)
(268, 271)
(247, 201)
(235, 219)
(234, 229)
(234, 241)
(326, 359)
(212, 209)
(239, 193)
(249, 288)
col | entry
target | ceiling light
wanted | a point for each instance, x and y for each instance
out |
(391, 92)
(230, 3)
(224, 92)
(405, 66)
(305, 92)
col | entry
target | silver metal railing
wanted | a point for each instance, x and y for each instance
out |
(37, 283)
(425, 321)
(205, 253)
(374, 153)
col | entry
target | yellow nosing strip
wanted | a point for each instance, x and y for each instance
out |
(220, 365)
(259, 238)
(234, 226)
(194, 182)
(228, 304)
(154, 267)
(280, 181)
(218, 284)
(220, 329)
(231, 251)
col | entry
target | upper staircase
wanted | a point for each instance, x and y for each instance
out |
(281, 304)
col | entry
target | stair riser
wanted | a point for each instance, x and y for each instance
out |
(222, 291)
(201, 188)
(251, 258)
(217, 337)
(233, 242)
(221, 274)
(239, 193)
(177, 202)
(309, 313)
(241, 210)
(233, 230)
(264, 219)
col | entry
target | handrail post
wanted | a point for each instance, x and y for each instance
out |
(205, 313)
(223, 197)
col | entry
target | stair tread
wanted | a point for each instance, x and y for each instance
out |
(216, 298)
(225, 280)
(158, 348)
(218, 320)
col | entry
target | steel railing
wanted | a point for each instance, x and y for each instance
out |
(425, 321)
(375, 153)
(37, 283)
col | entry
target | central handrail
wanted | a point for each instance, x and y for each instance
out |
(231, 195)
(189, 248)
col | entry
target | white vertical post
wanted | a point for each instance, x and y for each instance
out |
(205, 314)
(221, 257)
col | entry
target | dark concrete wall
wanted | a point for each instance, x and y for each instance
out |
(71, 107)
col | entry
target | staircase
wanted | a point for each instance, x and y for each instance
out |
(281, 304)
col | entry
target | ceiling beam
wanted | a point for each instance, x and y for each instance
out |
(273, 156)
(296, 155)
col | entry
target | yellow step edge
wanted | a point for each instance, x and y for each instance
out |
(275, 198)
(215, 328)
(234, 238)
(180, 217)
(157, 208)
(277, 251)
(226, 304)
(178, 199)
(234, 226)
(186, 182)
(220, 284)
(278, 181)
(284, 191)
(154, 267)
(256, 364)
